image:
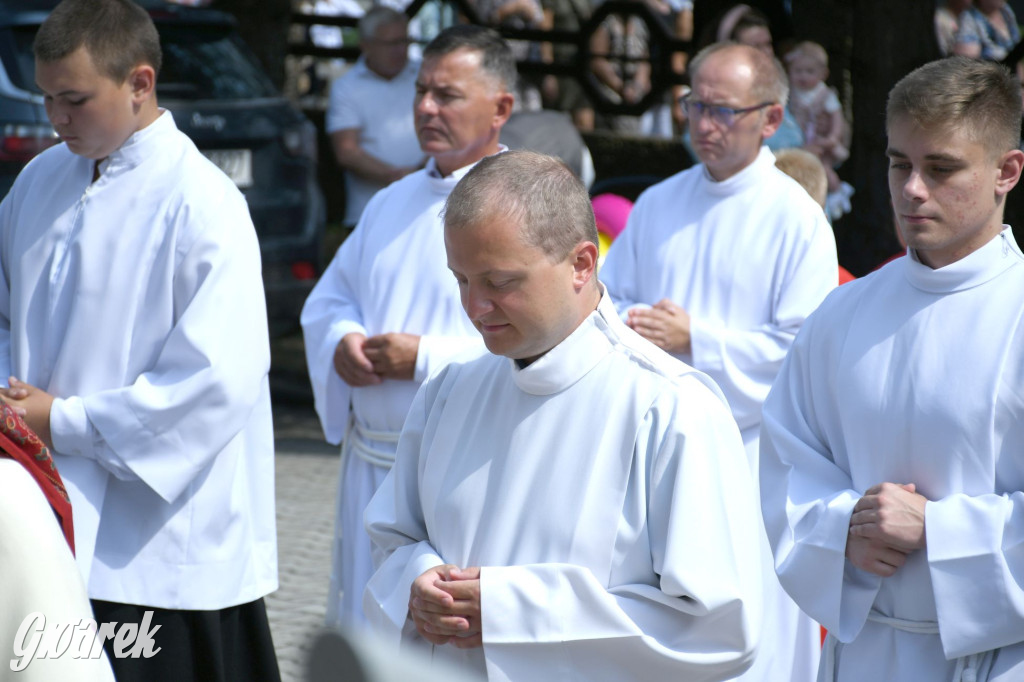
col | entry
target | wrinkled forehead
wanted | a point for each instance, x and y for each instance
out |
(465, 62)
(728, 78)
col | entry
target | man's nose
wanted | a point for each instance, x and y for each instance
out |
(57, 115)
(476, 302)
(914, 188)
(426, 104)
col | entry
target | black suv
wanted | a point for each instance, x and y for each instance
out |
(221, 98)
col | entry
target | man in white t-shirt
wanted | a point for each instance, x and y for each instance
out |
(369, 117)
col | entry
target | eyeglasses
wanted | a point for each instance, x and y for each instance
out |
(722, 115)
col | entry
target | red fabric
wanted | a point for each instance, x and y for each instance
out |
(845, 275)
(21, 444)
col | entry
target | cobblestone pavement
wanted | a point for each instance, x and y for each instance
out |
(307, 470)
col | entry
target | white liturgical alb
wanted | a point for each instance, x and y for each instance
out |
(137, 300)
(604, 492)
(910, 375)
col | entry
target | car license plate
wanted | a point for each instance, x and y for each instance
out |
(236, 164)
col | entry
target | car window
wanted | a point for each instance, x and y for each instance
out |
(18, 58)
(209, 63)
(200, 63)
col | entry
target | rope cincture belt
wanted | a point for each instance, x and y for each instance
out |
(355, 441)
(971, 668)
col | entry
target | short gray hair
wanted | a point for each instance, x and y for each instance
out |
(379, 16)
(496, 58)
(770, 81)
(980, 98)
(536, 191)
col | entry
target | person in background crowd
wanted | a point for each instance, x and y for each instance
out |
(947, 23)
(816, 108)
(369, 117)
(988, 30)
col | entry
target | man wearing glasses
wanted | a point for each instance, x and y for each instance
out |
(721, 264)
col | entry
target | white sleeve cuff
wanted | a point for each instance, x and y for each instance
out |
(69, 427)
(73, 434)
(705, 347)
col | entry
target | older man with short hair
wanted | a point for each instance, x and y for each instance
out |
(386, 313)
(575, 505)
(721, 264)
(369, 114)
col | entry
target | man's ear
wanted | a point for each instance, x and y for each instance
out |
(142, 80)
(503, 108)
(584, 263)
(772, 120)
(1010, 165)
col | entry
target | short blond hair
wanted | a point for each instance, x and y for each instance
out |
(809, 50)
(805, 168)
(982, 99)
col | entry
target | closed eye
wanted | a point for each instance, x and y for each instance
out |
(501, 285)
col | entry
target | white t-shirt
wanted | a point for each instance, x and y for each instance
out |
(382, 112)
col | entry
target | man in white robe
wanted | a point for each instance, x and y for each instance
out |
(891, 472)
(386, 313)
(721, 264)
(133, 322)
(577, 504)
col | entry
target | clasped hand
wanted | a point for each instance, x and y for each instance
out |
(887, 525)
(665, 324)
(33, 404)
(444, 604)
(362, 361)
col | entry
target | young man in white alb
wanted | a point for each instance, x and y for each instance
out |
(891, 472)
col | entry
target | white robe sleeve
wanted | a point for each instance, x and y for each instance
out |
(807, 501)
(619, 271)
(976, 540)
(745, 362)
(5, 293)
(331, 312)
(398, 531)
(168, 425)
(975, 557)
(698, 621)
